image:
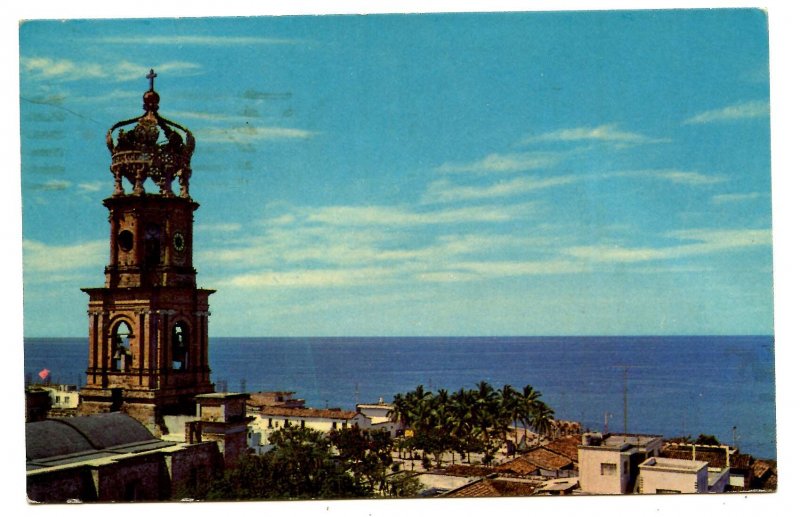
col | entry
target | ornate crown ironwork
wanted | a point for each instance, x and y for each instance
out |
(154, 148)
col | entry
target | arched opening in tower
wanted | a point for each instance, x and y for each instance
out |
(180, 346)
(121, 359)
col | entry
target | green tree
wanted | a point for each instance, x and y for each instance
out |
(365, 454)
(301, 466)
(513, 410)
(489, 419)
(534, 413)
(707, 439)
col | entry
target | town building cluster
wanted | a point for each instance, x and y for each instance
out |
(149, 424)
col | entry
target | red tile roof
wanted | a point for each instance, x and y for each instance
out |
(762, 467)
(565, 446)
(519, 466)
(494, 488)
(335, 414)
(544, 458)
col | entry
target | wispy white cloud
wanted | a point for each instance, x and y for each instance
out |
(498, 269)
(224, 228)
(53, 185)
(398, 216)
(604, 133)
(250, 133)
(719, 240)
(737, 198)
(442, 191)
(705, 242)
(686, 177)
(210, 117)
(742, 110)
(311, 278)
(209, 41)
(41, 260)
(349, 238)
(512, 162)
(49, 69)
(95, 186)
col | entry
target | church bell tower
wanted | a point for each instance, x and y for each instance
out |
(148, 326)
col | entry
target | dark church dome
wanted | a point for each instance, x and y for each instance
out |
(62, 436)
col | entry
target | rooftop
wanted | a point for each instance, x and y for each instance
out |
(546, 459)
(215, 396)
(620, 441)
(63, 436)
(717, 456)
(337, 414)
(672, 464)
(565, 446)
(494, 488)
(93, 439)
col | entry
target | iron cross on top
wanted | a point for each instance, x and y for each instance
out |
(152, 75)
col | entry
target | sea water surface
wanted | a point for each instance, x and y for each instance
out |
(674, 385)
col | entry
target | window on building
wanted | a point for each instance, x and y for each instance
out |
(286, 422)
(608, 469)
(333, 425)
(58, 399)
(270, 423)
(302, 424)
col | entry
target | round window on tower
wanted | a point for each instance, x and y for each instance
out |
(125, 240)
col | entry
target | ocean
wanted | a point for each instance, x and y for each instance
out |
(674, 385)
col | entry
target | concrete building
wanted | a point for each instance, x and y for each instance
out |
(62, 396)
(324, 420)
(609, 463)
(221, 418)
(271, 418)
(261, 399)
(378, 416)
(675, 476)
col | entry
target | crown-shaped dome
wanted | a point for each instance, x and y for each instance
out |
(154, 148)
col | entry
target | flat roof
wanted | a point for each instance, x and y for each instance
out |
(622, 442)
(672, 464)
(222, 395)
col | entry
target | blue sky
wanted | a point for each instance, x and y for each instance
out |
(467, 174)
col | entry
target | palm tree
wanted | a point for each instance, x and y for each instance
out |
(512, 409)
(529, 407)
(462, 420)
(488, 417)
(543, 419)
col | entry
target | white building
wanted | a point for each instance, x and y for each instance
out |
(378, 417)
(62, 396)
(270, 419)
(609, 464)
(677, 476)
